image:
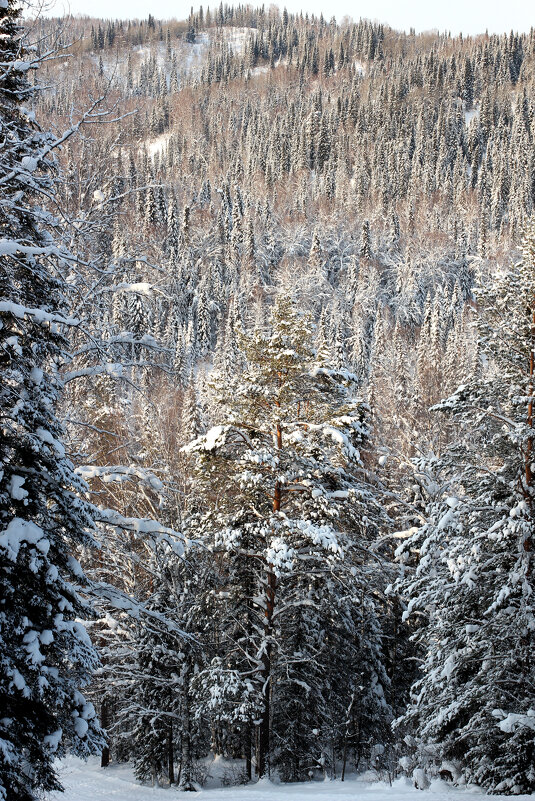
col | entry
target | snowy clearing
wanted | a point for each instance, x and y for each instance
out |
(237, 37)
(156, 145)
(89, 782)
(470, 115)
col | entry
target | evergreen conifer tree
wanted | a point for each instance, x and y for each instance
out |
(46, 657)
(294, 516)
(473, 585)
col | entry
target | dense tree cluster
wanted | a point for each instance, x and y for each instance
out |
(386, 183)
(472, 592)
(277, 314)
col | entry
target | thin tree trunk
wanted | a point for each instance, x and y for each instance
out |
(247, 749)
(104, 715)
(170, 756)
(346, 736)
(344, 759)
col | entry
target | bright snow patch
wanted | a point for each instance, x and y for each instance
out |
(214, 438)
(29, 163)
(237, 38)
(22, 531)
(46, 436)
(16, 490)
(53, 740)
(513, 721)
(470, 115)
(140, 288)
(36, 375)
(119, 473)
(157, 145)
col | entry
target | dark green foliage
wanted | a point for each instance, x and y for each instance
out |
(46, 657)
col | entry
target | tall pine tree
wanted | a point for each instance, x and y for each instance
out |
(290, 512)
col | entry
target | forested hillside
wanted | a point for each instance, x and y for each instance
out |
(296, 273)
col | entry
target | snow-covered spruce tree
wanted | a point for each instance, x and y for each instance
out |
(45, 654)
(155, 717)
(472, 591)
(288, 509)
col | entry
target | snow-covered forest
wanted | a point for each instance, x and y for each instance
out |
(267, 336)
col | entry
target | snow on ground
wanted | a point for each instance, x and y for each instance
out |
(237, 37)
(156, 49)
(89, 782)
(191, 54)
(156, 145)
(469, 116)
(264, 69)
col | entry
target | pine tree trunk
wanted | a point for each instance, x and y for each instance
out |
(263, 735)
(170, 756)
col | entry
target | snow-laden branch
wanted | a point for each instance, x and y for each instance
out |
(124, 338)
(141, 527)
(136, 609)
(119, 473)
(39, 315)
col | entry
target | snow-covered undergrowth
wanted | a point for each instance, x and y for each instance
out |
(87, 781)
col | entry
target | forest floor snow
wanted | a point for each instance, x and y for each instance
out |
(87, 781)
